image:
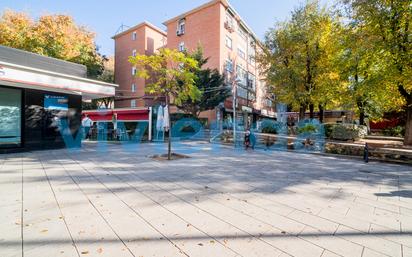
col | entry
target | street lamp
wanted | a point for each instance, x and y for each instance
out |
(234, 93)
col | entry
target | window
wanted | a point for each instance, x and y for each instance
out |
(228, 42)
(134, 35)
(241, 53)
(181, 27)
(242, 33)
(252, 55)
(10, 117)
(133, 88)
(134, 71)
(182, 46)
(229, 65)
(251, 82)
(133, 103)
(241, 75)
(241, 92)
(134, 52)
(229, 25)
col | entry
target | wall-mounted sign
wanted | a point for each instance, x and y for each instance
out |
(56, 102)
(247, 109)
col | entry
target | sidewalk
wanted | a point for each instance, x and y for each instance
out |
(220, 202)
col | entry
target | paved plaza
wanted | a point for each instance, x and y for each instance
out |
(115, 201)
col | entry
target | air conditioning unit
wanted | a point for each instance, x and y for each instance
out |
(229, 26)
(179, 32)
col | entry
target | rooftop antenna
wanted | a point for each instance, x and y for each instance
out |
(122, 28)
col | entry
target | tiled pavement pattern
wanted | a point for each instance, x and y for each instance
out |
(114, 201)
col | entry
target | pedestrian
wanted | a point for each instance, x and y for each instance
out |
(87, 123)
(250, 139)
(246, 140)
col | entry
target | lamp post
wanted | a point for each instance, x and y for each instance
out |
(234, 90)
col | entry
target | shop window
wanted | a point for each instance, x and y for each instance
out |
(10, 117)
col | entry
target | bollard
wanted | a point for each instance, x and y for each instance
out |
(366, 153)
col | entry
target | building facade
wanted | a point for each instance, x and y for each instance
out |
(230, 46)
(41, 101)
(143, 38)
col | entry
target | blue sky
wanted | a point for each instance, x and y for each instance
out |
(104, 17)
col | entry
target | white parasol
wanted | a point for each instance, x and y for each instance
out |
(166, 118)
(159, 121)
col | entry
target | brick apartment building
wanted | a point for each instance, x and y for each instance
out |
(143, 38)
(225, 38)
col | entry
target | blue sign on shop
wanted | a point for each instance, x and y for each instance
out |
(55, 102)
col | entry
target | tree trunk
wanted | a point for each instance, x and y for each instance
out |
(311, 109)
(302, 111)
(169, 140)
(408, 126)
(321, 113)
(361, 116)
(361, 109)
(408, 109)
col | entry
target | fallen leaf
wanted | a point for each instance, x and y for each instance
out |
(283, 232)
(212, 241)
(85, 252)
(200, 244)
(44, 231)
(100, 250)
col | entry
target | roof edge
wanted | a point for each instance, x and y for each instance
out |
(57, 74)
(144, 23)
(196, 9)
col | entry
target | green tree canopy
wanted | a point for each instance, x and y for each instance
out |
(298, 58)
(389, 24)
(210, 83)
(171, 74)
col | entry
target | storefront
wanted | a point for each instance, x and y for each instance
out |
(41, 97)
(120, 124)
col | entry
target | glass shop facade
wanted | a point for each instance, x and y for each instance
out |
(39, 98)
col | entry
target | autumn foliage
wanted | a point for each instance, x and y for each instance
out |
(54, 35)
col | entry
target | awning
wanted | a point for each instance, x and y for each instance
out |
(122, 115)
(27, 77)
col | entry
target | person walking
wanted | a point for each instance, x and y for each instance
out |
(87, 123)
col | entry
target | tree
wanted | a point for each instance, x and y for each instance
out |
(297, 59)
(106, 76)
(389, 22)
(55, 36)
(210, 83)
(169, 73)
(364, 68)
